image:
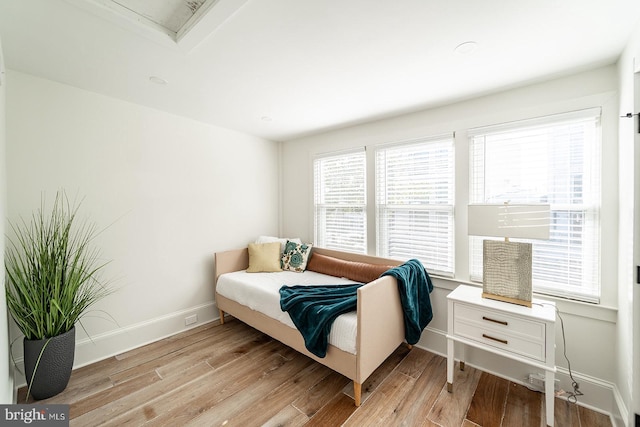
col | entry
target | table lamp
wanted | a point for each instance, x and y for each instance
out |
(507, 265)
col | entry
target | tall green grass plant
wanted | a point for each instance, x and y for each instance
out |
(53, 272)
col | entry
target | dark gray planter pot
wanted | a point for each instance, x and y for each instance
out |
(54, 370)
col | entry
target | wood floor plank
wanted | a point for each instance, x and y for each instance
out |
(155, 357)
(414, 410)
(565, 414)
(235, 377)
(226, 410)
(164, 346)
(523, 407)
(488, 402)
(321, 393)
(223, 355)
(271, 403)
(384, 400)
(589, 418)
(334, 413)
(111, 411)
(287, 417)
(379, 375)
(76, 390)
(414, 362)
(450, 409)
(124, 389)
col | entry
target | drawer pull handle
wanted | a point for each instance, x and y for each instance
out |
(502, 322)
(505, 342)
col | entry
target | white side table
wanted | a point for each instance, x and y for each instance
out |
(514, 331)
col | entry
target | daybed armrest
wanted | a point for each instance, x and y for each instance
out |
(229, 261)
(380, 324)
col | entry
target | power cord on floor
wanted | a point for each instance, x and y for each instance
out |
(572, 396)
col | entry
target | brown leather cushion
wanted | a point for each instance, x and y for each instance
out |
(357, 271)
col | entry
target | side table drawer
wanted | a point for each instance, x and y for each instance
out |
(499, 321)
(506, 342)
(499, 330)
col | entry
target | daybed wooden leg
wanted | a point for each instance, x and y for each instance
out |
(409, 346)
(357, 392)
(221, 317)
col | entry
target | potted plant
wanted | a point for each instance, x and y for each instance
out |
(52, 278)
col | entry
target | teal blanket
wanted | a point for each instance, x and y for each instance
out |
(414, 285)
(313, 309)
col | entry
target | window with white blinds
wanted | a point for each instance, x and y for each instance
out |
(340, 207)
(552, 160)
(414, 202)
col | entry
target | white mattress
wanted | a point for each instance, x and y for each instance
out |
(260, 292)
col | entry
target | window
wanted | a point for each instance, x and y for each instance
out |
(340, 202)
(554, 160)
(414, 202)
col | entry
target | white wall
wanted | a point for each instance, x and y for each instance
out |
(628, 375)
(170, 192)
(593, 364)
(6, 379)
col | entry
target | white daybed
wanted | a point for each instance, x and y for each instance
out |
(377, 325)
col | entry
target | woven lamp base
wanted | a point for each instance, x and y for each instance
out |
(507, 271)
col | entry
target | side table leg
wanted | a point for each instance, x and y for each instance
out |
(549, 393)
(450, 361)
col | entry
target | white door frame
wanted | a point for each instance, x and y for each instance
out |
(636, 254)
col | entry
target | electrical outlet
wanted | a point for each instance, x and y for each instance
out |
(190, 320)
(535, 382)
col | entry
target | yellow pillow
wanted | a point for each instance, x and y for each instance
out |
(264, 257)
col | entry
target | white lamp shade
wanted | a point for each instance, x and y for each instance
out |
(505, 220)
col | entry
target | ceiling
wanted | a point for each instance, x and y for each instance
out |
(281, 69)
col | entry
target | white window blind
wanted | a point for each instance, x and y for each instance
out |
(414, 202)
(340, 202)
(554, 160)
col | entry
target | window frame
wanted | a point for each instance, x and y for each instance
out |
(435, 263)
(591, 207)
(323, 240)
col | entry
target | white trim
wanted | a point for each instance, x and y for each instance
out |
(3, 71)
(127, 19)
(208, 18)
(578, 308)
(620, 418)
(337, 153)
(419, 140)
(206, 21)
(585, 113)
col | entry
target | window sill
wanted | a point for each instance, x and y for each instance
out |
(576, 308)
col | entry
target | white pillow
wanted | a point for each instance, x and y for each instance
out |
(282, 241)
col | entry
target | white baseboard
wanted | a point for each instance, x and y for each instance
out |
(620, 415)
(127, 338)
(599, 395)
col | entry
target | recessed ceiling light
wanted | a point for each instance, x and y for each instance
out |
(158, 80)
(466, 48)
(266, 118)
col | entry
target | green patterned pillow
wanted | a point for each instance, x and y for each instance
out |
(295, 256)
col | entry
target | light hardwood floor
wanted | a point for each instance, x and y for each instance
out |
(233, 375)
